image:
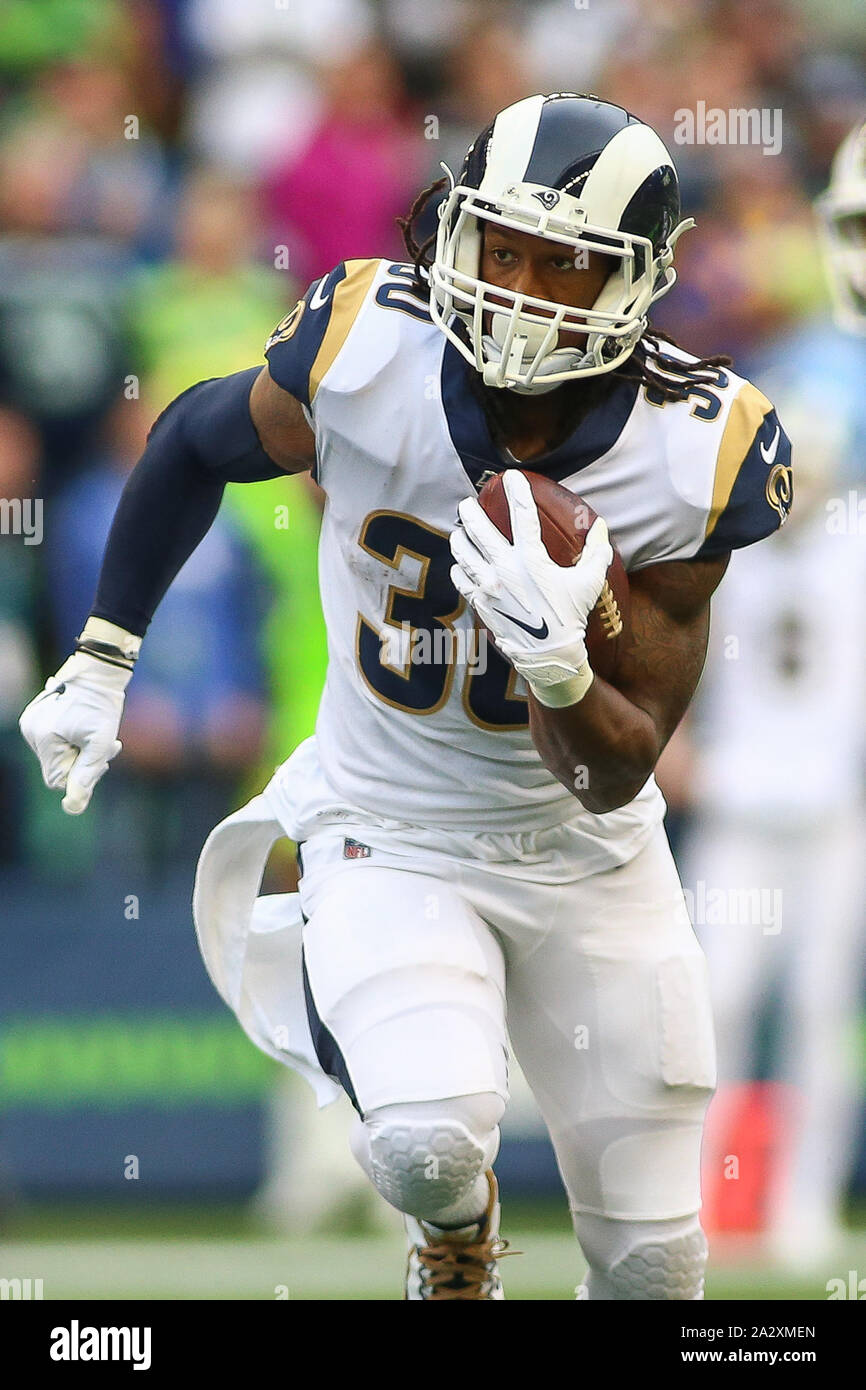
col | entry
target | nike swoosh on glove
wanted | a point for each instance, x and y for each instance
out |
(536, 610)
(72, 726)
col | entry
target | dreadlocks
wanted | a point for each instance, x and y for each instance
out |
(649, 363)
(420, 255)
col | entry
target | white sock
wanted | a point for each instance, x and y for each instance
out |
(468, 1212)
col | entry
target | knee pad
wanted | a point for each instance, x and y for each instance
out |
(423, 1158)
(642, 1260)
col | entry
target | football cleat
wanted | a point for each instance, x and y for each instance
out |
(587, 176)
(460, 1263)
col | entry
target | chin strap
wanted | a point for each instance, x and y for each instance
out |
(558, 360)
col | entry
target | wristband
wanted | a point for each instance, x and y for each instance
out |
(567, 692)
(109, 643)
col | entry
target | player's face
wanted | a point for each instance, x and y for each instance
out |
(527, 264)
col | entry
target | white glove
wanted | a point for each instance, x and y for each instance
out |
(536, 610)
(72, 725)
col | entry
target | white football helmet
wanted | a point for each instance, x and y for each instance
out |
(842, 220)
(580, 172)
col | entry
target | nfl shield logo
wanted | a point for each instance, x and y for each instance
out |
(353, 849)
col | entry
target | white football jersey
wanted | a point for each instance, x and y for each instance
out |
(779, 719)
(410, 726)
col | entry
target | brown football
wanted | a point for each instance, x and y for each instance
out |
(565, 520)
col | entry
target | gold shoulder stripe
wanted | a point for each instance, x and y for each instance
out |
(348, 298)
(742, 425)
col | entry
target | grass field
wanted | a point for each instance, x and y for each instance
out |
(209, 1254)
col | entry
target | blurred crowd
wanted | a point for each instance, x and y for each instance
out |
(174, 172)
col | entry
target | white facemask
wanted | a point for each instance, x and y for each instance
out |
(524, 345)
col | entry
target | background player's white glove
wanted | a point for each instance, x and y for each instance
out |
(72, 725)
(536, 610)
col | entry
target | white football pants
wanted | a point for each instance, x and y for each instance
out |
(418, 959)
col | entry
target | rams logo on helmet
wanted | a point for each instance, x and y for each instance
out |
(548, 197)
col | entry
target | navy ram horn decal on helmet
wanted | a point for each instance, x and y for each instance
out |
(581, 173)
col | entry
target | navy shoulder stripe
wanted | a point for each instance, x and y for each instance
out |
(305, 344)
(753, 487)
(294, 344)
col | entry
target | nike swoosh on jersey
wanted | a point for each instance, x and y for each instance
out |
(768, 455)
(317, 299)
(539, 632)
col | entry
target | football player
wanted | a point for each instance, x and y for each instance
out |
(796, 823)
(842, 218)
(481, 841)
(776, 849)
